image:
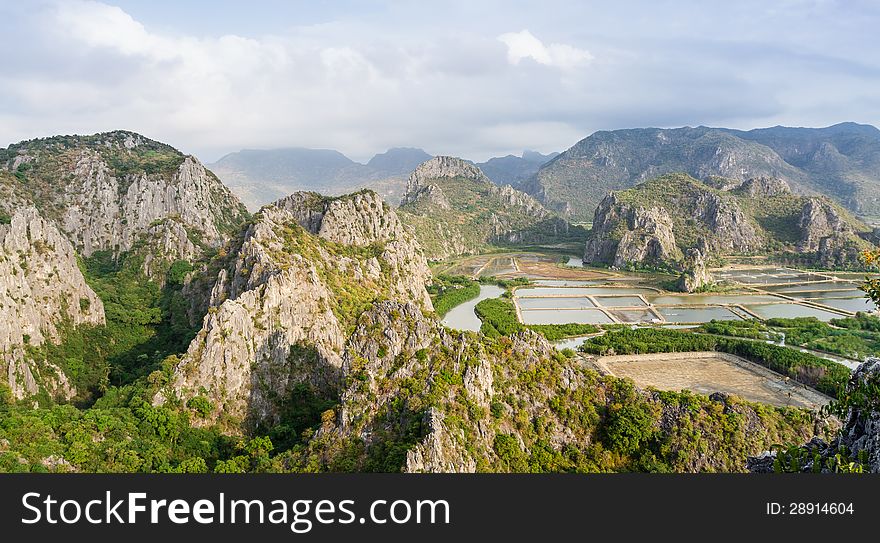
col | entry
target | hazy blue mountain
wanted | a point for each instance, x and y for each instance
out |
(262, 176)
(512, 169)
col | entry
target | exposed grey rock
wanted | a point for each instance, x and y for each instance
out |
(41, 289)
(760, 187)
(695, 275)
(102, 212)
(438, 452)
(723, 217)
(819, 219)
(647, 235)
(271, 324)
(438, 168)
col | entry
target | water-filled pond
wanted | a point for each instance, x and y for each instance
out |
(697, 299)
(619, 301)
(849, 304)
(554, 303)
(790, 311)
(575, 262)
(462, 317)
(768, 276)
(579, 316)
(578, 291)
(814, 288)
(697, 314)
(564, 282)
(571, 343)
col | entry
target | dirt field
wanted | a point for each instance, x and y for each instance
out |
(710, 372)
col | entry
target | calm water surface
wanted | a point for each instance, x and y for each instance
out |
(462, 317)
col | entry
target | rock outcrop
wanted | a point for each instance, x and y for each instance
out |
(453, 208)
(107, 213)
(731, 229)
(623, 235)
(695, 275)
(440, 167)
(42, 290)
(858, 440)
(759, 187)
(282, 312)
(819, 219)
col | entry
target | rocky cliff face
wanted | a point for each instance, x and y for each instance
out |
(440, 167)
(107, 191)
(695, 275)
(41, 291)
(819, 220)
(453, 208)
(283, 311)
(731, 229)
(623, 234)
(827, 233)
(640, 225)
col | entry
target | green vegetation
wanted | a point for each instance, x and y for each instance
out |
(499, 319)
(449, 291)
(823, 375)
(5, 218)
(751, 329)
(853, 337)
(774, 218)
(145, 324)
(474, 214)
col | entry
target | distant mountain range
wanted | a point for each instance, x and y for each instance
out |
(259, 177)
(840, 161)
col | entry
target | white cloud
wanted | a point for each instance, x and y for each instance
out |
(523, 44)
(454, 81)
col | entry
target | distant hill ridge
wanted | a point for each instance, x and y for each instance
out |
(841, 161)
(259, 177)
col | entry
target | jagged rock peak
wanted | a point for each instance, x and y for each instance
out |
(284, 308)
(695, 275)
(354, 219)
(763, 186)
(441, 167)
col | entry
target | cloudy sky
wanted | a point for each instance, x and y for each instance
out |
(469, 78)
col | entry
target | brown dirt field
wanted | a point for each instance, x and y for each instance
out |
(705, 373)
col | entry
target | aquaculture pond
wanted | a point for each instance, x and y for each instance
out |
(697, 314)
(790, 311)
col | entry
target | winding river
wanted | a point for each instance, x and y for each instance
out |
(462, 317)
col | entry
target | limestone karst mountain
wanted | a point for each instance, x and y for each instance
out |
(42, 290)
(453, 208)
(107, 191)
(111, 197)
(841, 161)
(657, 222)
(281, 312)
